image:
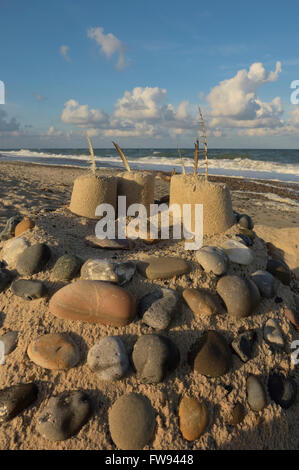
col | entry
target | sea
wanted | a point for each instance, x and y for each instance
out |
(268, 164)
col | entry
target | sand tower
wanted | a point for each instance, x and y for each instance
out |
(137, 186)
(195, 189)
(91, 190)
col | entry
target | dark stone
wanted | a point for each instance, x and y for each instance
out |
(64, 415)
(33, 259)
(158, 310)
(29, 290)
(163, 267)
(10, 341)
(14, 399)
(245, 221)
(278, 300)
(154, 357)
(265, 282)
(66, 268)
(280, 270)
(9, 229)
(246, 240)
(210, 355)
(5, 278)
(282, 390)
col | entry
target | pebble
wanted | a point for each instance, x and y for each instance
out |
(240, 296)
(29, 290)
(13, 249)
(109, 244)
(98, 270)
(154, 357)
(256, 394)
(10, 341)
(25, 224)
(193, 416)
(94, 302)
(108, 358)
(66, 268)
(9, 229)
(202, 302)
(164, 267)
(245, 221)
(244, 239)
(212, 259)
(132, 422)
(64, 415)
(15, 399)
(54, 351)
(243, 345)
(293, 317)
(282, 390)
(5, 278)
(125, 271)
(273, 334)
(210, 355)
(33, 259)
(238, 252)
(158, 309)
(237, 415)
(265, 282)
(280, 270)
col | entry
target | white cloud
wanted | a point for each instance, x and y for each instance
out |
(81, 116)
(64, 52)
(109, 45)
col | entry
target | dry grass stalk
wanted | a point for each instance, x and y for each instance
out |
(93, 161)
(204, 140)
(182, 162)
(122, 156)
(196, 155)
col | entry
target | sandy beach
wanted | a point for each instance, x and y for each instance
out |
(43, 194)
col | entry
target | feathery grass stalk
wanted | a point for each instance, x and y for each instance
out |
(93, 161)
(122, 156)
(204, 137)
(182, 162)
(196, 155)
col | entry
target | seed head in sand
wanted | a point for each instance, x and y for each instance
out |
(90, 190)
(197, 189)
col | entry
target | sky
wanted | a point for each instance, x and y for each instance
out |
(135, 72)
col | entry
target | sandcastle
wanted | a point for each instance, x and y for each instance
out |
(90, 191)
(196, 189)
(137, 186)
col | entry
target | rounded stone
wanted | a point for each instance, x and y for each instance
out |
(28, 290)
(25, 224)
(265, 282)
(280, 270)
(5, 279)
(98, 270)
(238, 413)
(245, 221)
(212, 259)
(64, 415)
(33, 259)
(66, 268)
(108, 358)
(202, 302)
(158, 309)
(193, 417)
(15, 399)
(210, 355)
(273, 334)
(94, 302)
(124, 271)
(132, 422)
(163, 268)
(256, 394)
(282, 390)
(54, 351)
(240, 296)
(243, 344)
(109, 244)
(154, 357)
(13, 249)
(238, 252)
(10, 341)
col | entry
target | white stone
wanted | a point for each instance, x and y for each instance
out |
(98, 270)
(237, 252)
(108, 358)
(13, 248)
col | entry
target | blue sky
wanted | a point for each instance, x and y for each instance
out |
(135, 72)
